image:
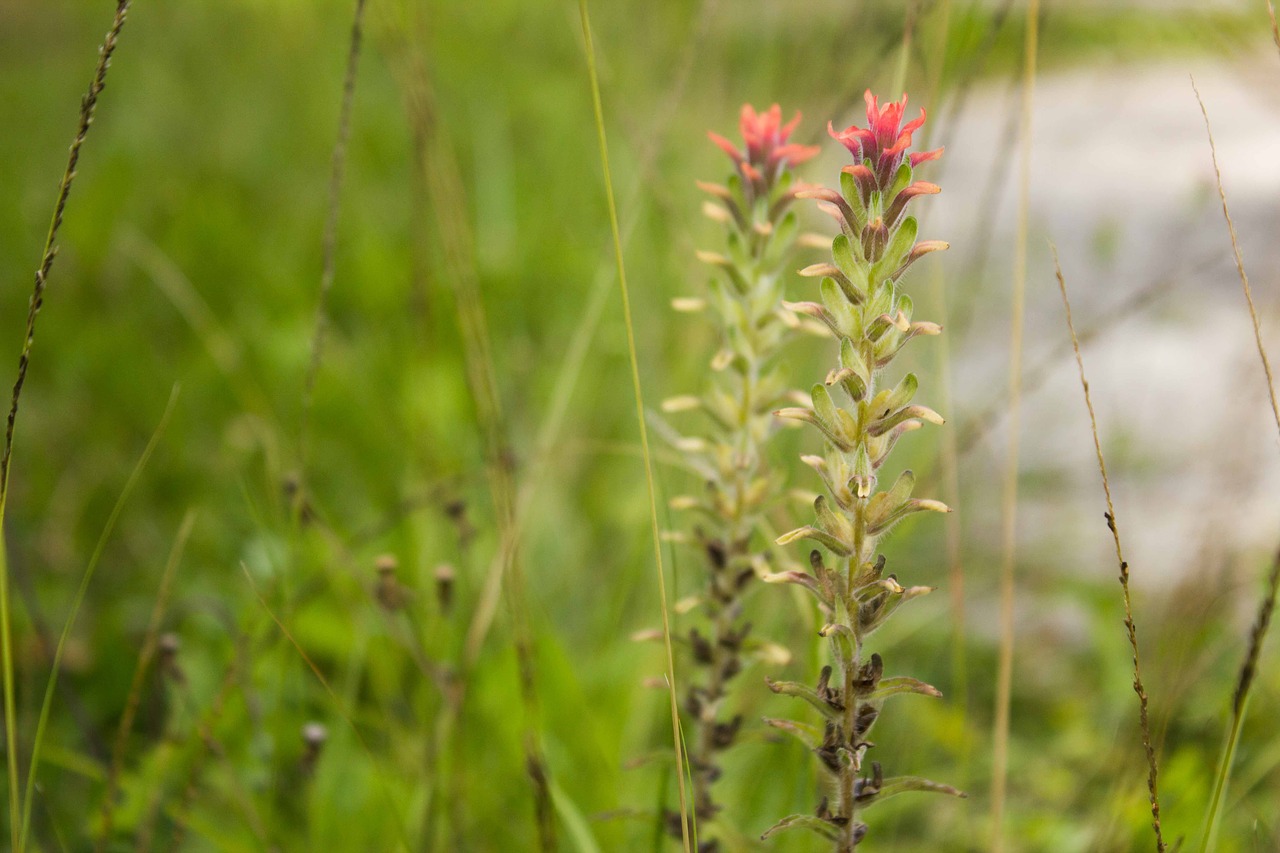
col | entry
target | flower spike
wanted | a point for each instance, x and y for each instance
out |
(861, 416)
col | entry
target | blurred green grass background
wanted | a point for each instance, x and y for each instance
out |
(192, 253)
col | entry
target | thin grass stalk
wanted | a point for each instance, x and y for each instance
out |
(88, 105)
(47, 704)
(949, 456)
(145, 656)
(1244, 277)
(589, 48)
(329, 248)
(1113, 524)
(338, 707)
(1240, 696)
(1009, 502)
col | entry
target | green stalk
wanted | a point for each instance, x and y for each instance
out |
(10, 715)
(639, 398)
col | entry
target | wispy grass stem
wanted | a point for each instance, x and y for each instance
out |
(329, 250)
(640, 417)
(1114, 525)
(1240, 697)
(1009, 503)
(88, 104)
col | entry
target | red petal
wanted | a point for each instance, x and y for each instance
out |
(920, 188)
(789, 126)
(725, 145)
(912, 126)
(859, 172)
(873, 107)
(923, 156)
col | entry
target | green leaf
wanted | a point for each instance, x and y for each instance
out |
(837, 304)
(808, 694)
(900, 684)
(923, 413)
(802, 821)
(902, 179)
(844, 644)
(837, 525)
(903, 784)
(831, 543)
(809, 735)
(906, 306)
(824, 407)
(783, 236)
(894, 515)
(848, 258)
(900, 243)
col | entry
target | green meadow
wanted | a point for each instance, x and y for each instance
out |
(328, 527)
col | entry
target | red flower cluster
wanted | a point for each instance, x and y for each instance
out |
(884, 141)
(767, 150)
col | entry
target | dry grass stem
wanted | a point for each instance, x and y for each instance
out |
(1009, 502)
(1114, 525)
(589, 48)
(330, 243)
(1240, 696)
(1235, 248)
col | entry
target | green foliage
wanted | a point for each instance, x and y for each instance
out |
(191, 253)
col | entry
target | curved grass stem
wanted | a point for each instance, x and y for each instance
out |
(640, 418)
(1153, 773)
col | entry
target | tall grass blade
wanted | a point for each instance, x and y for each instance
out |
(88, 104)
(589, 47)
(109, 528)
(1244, 682)
(1114, 525)
(1244, 277)
(330, 242)
(1009, 503)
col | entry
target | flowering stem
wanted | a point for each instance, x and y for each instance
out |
(865, 311)
(746, 304)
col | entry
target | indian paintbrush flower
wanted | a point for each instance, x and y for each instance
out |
(861, 417)
(754, 206)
